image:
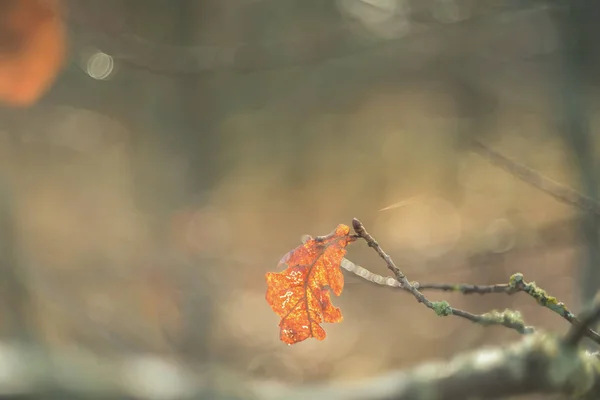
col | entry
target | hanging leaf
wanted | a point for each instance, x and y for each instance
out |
(300, 294)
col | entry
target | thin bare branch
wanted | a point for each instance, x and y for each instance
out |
(507, 318)
(466, 288)
(516, 284)
(582, 328)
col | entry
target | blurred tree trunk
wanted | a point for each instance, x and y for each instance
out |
(579, 28)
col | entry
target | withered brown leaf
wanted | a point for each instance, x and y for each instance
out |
(300, 293)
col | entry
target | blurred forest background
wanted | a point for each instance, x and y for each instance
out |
(190, 144)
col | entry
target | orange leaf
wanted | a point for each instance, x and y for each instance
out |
(32, 49)
(300, 294)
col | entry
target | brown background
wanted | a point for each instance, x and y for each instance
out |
(148, 207)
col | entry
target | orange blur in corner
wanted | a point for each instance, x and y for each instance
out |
(32, 49)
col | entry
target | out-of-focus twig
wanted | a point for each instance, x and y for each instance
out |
(508, 318)
(560, 192)
(582, 328)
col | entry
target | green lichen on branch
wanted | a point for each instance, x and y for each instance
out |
(569, 367)
(508, 318)
(442, 308)
(540, 363)
(542, 297)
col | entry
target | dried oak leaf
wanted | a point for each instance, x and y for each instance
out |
(300, 294)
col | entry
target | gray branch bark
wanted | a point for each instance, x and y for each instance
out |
(540, 363)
